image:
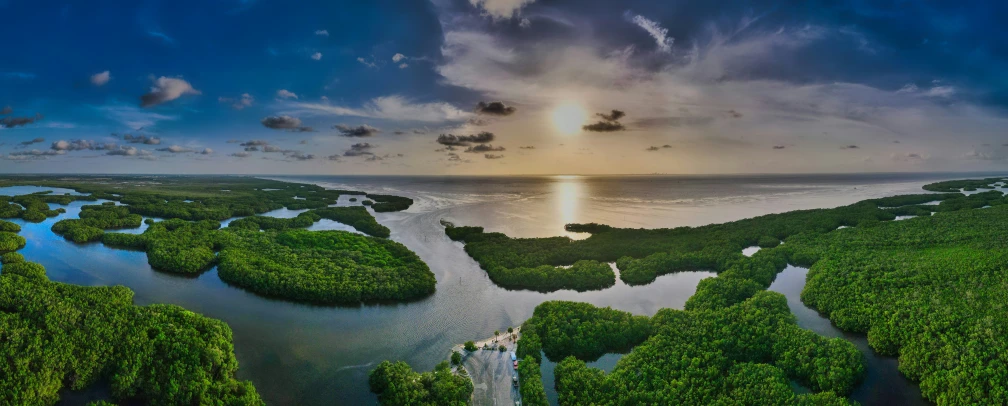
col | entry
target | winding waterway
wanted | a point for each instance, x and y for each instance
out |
(312, 355)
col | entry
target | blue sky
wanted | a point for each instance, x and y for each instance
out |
(368, 87)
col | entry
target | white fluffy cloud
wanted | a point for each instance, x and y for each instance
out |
(394, 108)
(166, 89)
(285, 94)
(322, 33)
(398, 57)
(500, 9)
(316, 56)
(101, 78)
(656, 31)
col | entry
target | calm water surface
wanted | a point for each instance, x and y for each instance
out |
(312, 355)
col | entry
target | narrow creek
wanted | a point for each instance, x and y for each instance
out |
(883, 384)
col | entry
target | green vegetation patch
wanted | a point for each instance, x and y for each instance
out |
(94, 220)
(59, 336)
(397, 384)
(968, 185)
(357, 217)
(323, 266)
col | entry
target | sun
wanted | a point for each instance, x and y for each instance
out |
(568, 118)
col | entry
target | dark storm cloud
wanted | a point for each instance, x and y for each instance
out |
(298, 155)
(141, 139)
(604, 126)
(615, 115)
(609, 123)
(11, 122)
(465, 140)
(363, 130)
(281, 122)
(495, 108)
(33, 141)
(359, 149)
(480, 148)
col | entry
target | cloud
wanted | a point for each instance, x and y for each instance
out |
(495, 108)
(912, 157)
(609, 122)
(254, 143)
(166, 89)
(941, 91)
(484, 148)
(33, 141)
(369, 63)
(161, 36)
(359, 149)
(604, 126)
(653, 148)
(500, 9)
(465, 140)
(281, 122)
(240, 154)
(175, 149)
(779, 147)
(298, 155)
(316, 56)
(363, 130)
(11, 122)
(393, 108)
(656, 31)
(734, 114)
(525, 23)
(655, 122)
(82, 145)
(206, 151)
(133, 117)
(141, 139)
(38, 154)
(398, 57)
(241, 102)
(101, 78)
(285, 94)
(527, 147)
(271, 149)
(322, 33)
(493, 156)
(403, 65)
(126, 150)
(852, 146)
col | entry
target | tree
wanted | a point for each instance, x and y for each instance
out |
(456, 358)
(470, 346)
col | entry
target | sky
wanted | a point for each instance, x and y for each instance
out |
(494, 87)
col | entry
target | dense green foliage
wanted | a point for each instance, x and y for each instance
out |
(930, 290)
(739, 354)
(356, 217)
(968, 185)
(323, 266)
(531, 388)
(10, 241)
(93, 222)
(388, 203)
(191, 198)
(176, 245)
(256, 223)
(397, 384)
(56, 335)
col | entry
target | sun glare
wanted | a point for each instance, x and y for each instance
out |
(568, 118)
